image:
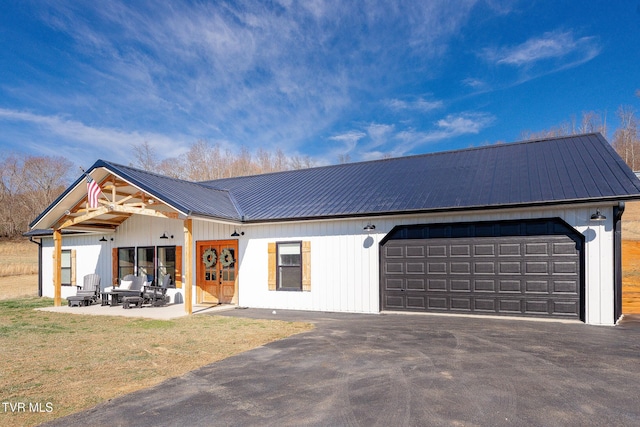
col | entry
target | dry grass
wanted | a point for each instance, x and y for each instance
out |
(18, 257)
(70, 362)
(18, 286)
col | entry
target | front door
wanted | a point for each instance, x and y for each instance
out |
(216, 271)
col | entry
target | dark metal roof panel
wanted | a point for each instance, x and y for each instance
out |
(575, 168)
(189, 197)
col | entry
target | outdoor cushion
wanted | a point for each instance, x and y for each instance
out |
(125, 284)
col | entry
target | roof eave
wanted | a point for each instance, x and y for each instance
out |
(447, 209)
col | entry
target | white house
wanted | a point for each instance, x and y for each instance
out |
(521, 229)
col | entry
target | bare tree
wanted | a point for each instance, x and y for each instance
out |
(626, 139)
(146, 157)
(28, 184)
(205, 161)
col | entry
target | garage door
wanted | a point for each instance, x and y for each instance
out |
(530, 268)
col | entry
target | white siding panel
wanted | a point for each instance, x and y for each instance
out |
(92, 256)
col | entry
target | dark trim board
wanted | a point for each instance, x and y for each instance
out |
(532, 267)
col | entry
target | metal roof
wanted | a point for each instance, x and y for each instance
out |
(560, 170)
(572, 169)
(191, 198)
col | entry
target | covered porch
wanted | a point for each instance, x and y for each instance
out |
(124, 222)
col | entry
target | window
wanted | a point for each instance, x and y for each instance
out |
(126, 261)
(153, 262)
(146, 258)
(166, 263)
(66, 268)
(289, 266)
(289, 256)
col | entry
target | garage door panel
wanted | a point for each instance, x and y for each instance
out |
(509, 267)
(564, 267)
(460, 268)
(565, 287)
(510, 286)
(568, 248)
(510, 249)
(537, 287)
(484, 268)
(536, 248)
(484, 285)
(536, 267)
(415, 302)
(487, 305)
(416, 284)
(537, 275)
(437, 251)
(487, 250)
(460, 303)
(460, 250)
(460, 286)
(394, 284)
(436, 284)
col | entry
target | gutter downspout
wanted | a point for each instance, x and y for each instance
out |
(39, 243)
(617, 261)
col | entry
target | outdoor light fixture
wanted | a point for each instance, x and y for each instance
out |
(369, 227)
(598, 216)
(164, 236)
(235, 233)
(104, 239)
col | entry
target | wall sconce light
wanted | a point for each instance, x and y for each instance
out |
(369, 227)
(235, 233)
(104, 239)
(164, 236)
(598, 216)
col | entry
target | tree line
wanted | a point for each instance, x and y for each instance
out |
(626, 139)
(28, 184)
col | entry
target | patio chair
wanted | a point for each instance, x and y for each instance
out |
(88, 293)
(157, 295)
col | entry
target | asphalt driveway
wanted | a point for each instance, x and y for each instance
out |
(393, 370)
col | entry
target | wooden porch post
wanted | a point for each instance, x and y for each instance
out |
(57, 267)
(188, 263)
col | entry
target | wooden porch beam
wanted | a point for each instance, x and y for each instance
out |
(188, 265)
(114, 209)
(57, 267)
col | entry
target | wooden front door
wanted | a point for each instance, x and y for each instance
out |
(216, 271)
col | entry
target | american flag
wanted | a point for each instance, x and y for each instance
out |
(93, 192)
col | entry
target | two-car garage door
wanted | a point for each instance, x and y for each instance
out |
(530, 268)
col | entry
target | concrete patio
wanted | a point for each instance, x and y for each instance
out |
(169, 311)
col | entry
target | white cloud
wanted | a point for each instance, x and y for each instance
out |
(419, 104)
(551, 45)
(87, 142)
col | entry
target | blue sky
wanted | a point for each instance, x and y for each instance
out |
(91, 79)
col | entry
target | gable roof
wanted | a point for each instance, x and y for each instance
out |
(573, 169)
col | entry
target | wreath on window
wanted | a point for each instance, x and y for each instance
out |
(226, 258)
(209, 258)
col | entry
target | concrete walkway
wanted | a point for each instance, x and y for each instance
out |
(402, 370)
(170, 311)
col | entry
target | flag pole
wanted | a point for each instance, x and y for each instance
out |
(89, 177)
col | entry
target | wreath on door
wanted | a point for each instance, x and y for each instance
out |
(226, 258)
(209, 258)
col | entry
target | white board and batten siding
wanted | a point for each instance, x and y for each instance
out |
(345, 259)
(92, 256)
